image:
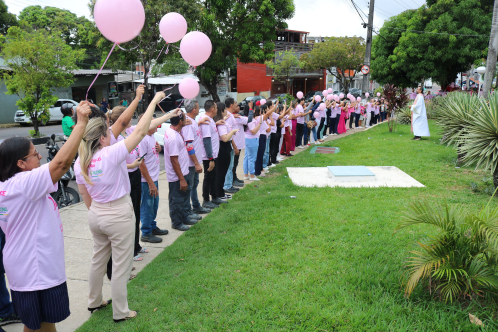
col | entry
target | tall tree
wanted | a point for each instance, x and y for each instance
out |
(342, 57)
(284, 66)
(39, 61)
(243, 30)
(492, 52)
(7, 19)
(76, 31)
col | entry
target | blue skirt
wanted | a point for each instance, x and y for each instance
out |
(42, 306)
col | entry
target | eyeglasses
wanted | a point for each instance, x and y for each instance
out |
(36, 153)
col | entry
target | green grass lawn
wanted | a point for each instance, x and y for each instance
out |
(325, 261)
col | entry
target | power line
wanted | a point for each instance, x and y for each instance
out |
(437, 33)
(354, 5)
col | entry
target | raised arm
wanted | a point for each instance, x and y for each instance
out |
(125, 118)
(159, 121)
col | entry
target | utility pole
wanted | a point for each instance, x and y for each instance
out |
(368, 52)
(492, 53)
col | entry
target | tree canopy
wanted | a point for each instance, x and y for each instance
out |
(342, 57)
(436, 41)
(284, 66)
(6, 19)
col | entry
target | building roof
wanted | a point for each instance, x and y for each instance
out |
(167, 80)
(81, 72)
(289, 30)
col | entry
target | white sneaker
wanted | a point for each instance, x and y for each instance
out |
(324, 137)
(272, 165)
(280, 158)
(266, 169)
(359, 127)
(246, 178)
(317, 142)
(300, 147)
(254, 179)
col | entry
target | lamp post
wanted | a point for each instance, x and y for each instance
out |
(480, 70)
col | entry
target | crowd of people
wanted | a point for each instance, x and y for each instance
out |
(117, 172)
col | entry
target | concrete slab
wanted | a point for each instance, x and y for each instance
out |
(386, 176)
(351, 173)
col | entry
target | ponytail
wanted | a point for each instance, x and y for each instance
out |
(90, 143)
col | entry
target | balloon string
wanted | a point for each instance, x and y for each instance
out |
(167, 50)
(112, 49)
(131, 49)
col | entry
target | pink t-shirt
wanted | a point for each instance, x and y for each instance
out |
(134, 154)
(231, 124)
(151, 160)
(357, 109)
(209, 130)
(193, 133)
(274, 127)
(223, 130)
(174, 145)
(262, 129)
(33, 255)
(299, 109)
(107, 172)
(376, 110)
(250, 126)
(240, 137)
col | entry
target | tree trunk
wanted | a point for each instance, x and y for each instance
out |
(492, 53)
(36, 125)
(213, 91)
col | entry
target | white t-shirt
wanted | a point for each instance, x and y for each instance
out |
(209, 130)
(151, 160)
(174, 145)
(107, 172)
(33, 255)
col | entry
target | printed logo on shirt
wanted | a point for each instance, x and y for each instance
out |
(3, 193)
(198, 133)
(56, 208)
(96, 173)
(3, 214)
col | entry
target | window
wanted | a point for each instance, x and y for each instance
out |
(58, 103)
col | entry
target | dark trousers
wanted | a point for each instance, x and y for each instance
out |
(179, 201)
(320, 127)
(274, 143)
(6, 307)
(382, 116)
(375, 118)
(235, 164)
(222, 166)
(335, 124)
(371, 118)
(351, 120)
(193, 177)
(299, 134)
(208, 185)
(306, 134)
(258, 166)
(357, 120)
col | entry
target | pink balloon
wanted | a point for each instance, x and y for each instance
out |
(299, 95)
(262, 102)
(336, 97)
(322, 107)
(341, 95)
(189, 88)
(316, 115)
(378, 94)
(367, 95)
(330, 90)
(195, 48)
(358, 99)
(173, 27)
(325, 93)
(119, 20)
(318, 98)
(330, 97)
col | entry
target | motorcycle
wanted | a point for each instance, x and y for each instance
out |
(65, 195)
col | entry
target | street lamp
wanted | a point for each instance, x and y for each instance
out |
(481, 70)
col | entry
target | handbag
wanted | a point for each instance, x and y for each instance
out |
(311, 124)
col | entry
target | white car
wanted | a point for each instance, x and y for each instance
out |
(159, 135)
(55, 112)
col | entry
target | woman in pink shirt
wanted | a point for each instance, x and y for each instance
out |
(341, 127)
(110, 216)
(33, 255)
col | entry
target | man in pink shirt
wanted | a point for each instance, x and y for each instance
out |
(176, 163)
(234, 121)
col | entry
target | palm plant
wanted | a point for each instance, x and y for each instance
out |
(404, 116)
(480, 138)
(460, 260)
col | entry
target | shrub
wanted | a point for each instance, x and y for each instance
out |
(460, 261)
(404, 116)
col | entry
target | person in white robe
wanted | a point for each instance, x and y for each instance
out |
(420, 127)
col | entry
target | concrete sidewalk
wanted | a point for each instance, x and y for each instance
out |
(79, 248)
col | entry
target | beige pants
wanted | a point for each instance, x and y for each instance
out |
(113, 228)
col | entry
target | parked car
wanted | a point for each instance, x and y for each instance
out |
(244, 102)
(428, 84)
(355, 92)
(337, 92)
(55, 113)
(309, 96)
(159, 135)
(274, 98)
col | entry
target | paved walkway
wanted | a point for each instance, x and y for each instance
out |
(79, 248)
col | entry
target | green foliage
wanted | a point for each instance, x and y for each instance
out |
(173, 66)
(459, 261)
(7, 19)
(341, 56)
(404, 116)
(403, 57)
(39, 61)
(77, 32)
(379, 89)
(284, 66)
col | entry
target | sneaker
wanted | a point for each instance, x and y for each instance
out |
(246, 177)
(151, 238)
(254, 179)
(300, 147)
(10, 319)
(191, 222)
(209, 205)
(239, 184)
(158, 231)
(272, 165)
(182, 227)
(192, 215)
(276, 162)
(280, 159)
(359, 127)
(309, 144)
(289, 155)
(201, 210)
(226, 197)
(266, 169)
(219, 201)
(324, 137)
(231, 190)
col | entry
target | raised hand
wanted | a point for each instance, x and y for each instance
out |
(140, 92)
(204, 120)
(220, 122)
(83, 111)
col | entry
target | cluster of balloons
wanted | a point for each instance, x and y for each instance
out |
(127, 21)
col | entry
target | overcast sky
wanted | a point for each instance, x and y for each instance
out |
(318, 17)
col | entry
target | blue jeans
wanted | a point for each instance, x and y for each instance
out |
(229, 177)
(6, 307)
(252, 145)
(266, 156)
(192, 186)
(148, 209)
(314, 134)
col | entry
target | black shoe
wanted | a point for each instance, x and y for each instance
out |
(238, 183)
(276, 162)
(231, 190)
(209, 205)
(182, 228)
(191, 222)
(192, 215)
(151, 238)
(201, 210)
(416, 138)
(158, 231)
(10, 319)
(219, 201)
(226, 197)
